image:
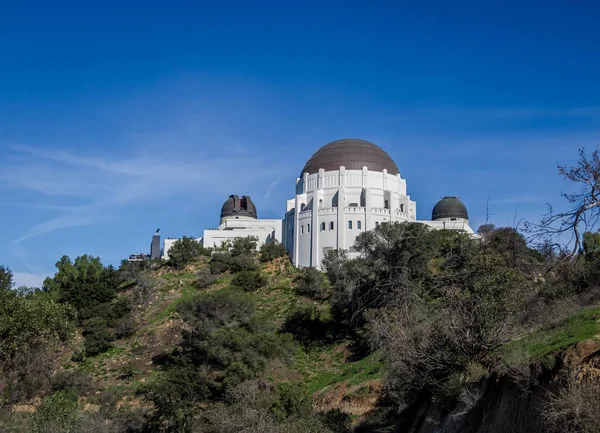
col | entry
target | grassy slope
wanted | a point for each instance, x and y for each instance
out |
(543, 343)
(329, 374)
(333, 374)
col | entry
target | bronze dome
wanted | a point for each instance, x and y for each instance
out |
(352, 153)
(238, 206)
(449, 207)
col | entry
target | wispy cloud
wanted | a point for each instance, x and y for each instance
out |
(106, 186)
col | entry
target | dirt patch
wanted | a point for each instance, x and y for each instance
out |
(355, 399)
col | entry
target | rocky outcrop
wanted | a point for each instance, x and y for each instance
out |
(500, 405)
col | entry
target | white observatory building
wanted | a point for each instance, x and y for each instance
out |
(349, 186)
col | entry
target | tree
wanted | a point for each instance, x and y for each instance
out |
(245, 246)
(584, 213)
(6, 278)
(271, 251)
(84, 284)
(31, 325)
(183, 251)
(310, 282)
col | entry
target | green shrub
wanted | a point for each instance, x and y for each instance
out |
(244, 246)
(271, 251)
(176, 395)
(78, 380)
(306, 325)
(337, 421)
(204, 278)
(210, 311)
(183, 251)
(310, 282)
(58, 411)
(125, 327)
(249, 280)
(292, 401)
(223, 262)
(98, 337)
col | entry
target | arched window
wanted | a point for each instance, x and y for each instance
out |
(376, 223)
(401, 208)
(350, 225)
(307, 228)
(301, 230)
(386, 204)
(322, 227)
(302, 206)
(331, 225)
(320, 203)
(359, 225)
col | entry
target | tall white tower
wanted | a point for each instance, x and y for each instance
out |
(346, 187)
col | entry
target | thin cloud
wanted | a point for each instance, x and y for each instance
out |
(107, 186)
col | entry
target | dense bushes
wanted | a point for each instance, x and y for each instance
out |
(306, 325)
(184, 250)
(310, 282)
(83, 284)
(250, 281)
(205, 277)
(32, 326)
(271, 250)
(224, 346)
(223, 262)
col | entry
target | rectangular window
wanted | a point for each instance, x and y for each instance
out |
(307, 228)
(350, 225)
(301, 230)
(359, 225)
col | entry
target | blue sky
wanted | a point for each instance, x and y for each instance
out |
(117, 118)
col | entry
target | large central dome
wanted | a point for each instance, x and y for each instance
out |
(352, 153)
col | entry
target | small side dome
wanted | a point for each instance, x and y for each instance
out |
(236, 206)
(449, 207)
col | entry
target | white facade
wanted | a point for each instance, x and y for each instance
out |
(332, 208)
(264, 229)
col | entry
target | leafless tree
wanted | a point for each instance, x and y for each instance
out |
(584, 213)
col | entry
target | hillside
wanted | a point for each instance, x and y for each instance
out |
(427, 331)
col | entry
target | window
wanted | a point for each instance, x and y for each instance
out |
(386, 204)
(307, 228)
(320, 203)
(359, 225)
(331, 225)
(322, 226)
(376, 223)
(401, 208)
(301, 230)
(302, 206)
(350, 225)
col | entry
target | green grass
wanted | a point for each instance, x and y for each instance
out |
(188, 291)
(549, 340)
(338, 370)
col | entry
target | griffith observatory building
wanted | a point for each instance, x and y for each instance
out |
(346, 187)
